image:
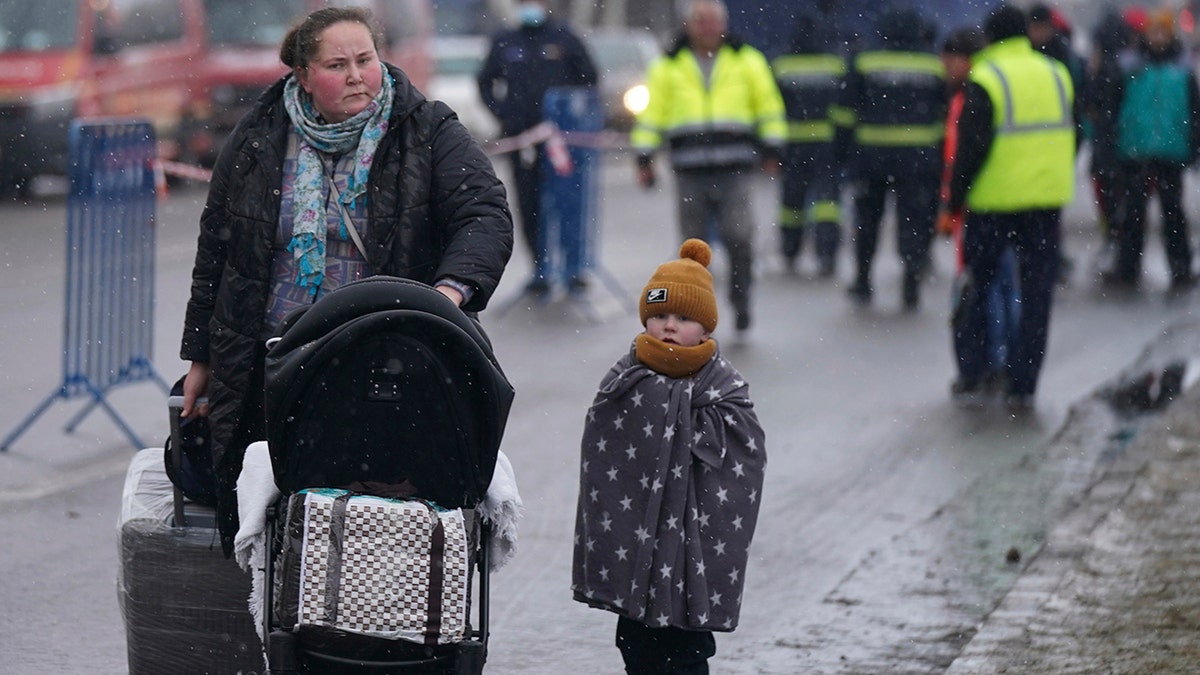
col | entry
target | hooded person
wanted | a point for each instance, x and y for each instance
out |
(671, 479)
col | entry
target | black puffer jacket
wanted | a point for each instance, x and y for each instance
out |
(435, 206)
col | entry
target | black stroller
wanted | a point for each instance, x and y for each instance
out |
(382, 389)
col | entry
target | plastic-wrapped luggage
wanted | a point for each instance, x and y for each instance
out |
(184, 604)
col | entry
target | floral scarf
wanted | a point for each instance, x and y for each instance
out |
(363, 131)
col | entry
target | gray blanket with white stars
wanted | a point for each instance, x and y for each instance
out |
(670, 484)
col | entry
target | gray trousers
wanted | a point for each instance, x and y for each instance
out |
(719, 199)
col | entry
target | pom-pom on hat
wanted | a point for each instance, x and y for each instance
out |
(683, 287)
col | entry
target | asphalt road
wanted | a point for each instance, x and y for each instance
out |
(887, 511)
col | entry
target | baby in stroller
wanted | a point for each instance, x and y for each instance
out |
(385, 408)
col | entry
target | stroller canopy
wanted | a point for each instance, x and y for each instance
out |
(385, 381)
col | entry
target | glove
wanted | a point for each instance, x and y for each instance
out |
(645, 171)
(772, 161)
(645, 176)
(948, 222)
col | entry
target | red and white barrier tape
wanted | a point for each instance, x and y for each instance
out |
(546, 132)
(557, 151)
(558, 143)
(526, 139)
(182, 170)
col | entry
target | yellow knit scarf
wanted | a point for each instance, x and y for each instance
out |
(673, 360)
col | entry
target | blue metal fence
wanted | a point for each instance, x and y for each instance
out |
(108, 327)
(571, 198)
(569, 192)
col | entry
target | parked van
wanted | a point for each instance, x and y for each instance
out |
(243, 54)
(84, 59)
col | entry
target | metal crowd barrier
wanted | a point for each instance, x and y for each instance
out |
(108, 321)
(573, 132)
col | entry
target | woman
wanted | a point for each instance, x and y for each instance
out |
(342, 170)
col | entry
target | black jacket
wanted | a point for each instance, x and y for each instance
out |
(904, 98)
(435, 209)
(526, 62)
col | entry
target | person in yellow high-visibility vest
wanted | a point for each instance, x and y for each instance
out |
(715, 105)
(1014, 171)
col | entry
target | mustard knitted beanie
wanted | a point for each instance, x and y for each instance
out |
(683, 287)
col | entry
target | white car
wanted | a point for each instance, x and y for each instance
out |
(622, 56)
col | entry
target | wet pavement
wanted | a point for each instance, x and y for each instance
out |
(900, 534)
(1114, 587)
(1078, 558)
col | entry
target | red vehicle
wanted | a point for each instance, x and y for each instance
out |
(191, 67)
(81, 59)
(243, 54)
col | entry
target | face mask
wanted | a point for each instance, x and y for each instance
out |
(531, 14)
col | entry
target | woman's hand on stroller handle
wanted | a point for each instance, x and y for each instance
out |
(195, 390)
(450, 292)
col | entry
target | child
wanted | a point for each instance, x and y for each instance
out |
(671, 480)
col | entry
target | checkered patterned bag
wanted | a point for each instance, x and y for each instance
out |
(378, 567)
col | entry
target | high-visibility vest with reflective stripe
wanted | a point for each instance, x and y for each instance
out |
(1031, 164)
(721, 124)
(903, 94)
(809, 84)
(825, 211)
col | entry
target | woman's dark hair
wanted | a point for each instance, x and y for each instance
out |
(1005, 22)
(301, 43)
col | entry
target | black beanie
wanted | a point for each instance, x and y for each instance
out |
(1040, 13)
(963, 42)
(1005, 22)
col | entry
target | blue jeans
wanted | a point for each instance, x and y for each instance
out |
(1004, 311)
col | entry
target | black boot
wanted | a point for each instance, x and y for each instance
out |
(860, 292)
(912, 289)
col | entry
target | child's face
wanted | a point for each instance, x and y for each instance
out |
(676, 329)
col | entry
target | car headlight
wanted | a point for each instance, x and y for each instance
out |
(636, 99)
